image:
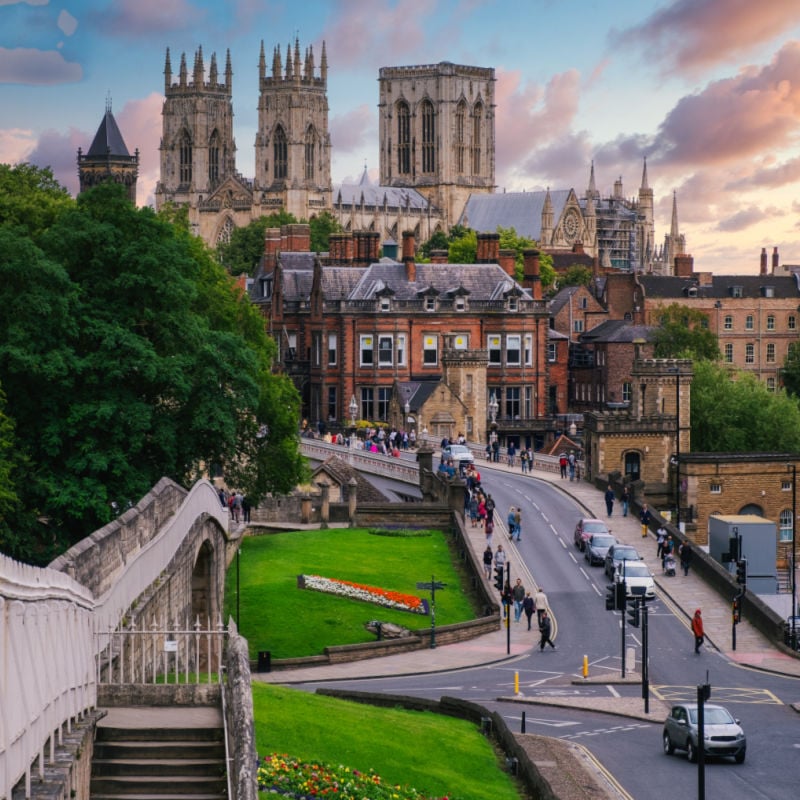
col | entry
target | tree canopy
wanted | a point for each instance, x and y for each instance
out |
(735, 412)
(683, 332)
(128, 354)
(790, 372)
(576, 275)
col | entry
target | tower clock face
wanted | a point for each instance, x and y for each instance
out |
(571, 225)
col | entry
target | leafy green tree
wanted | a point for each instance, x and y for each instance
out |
(132, 356)
(12, 465)
(439, 241)
(576, 275)
(790, 372)
(321, 227)
(30, 197)
(463, 248)
(684, 333)
(735, 412)
(241, 254)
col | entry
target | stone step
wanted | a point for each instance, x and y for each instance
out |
(145, 784)
(202, 767)
(141, 750)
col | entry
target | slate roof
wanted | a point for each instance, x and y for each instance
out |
(416, 392)
(519, 210)
(372, 195)
(108, 139)
(562, 298)
(617, 331)
(667, 286)
(342, 472)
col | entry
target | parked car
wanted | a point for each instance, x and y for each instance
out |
(722, 734)
(639, 580)
(618, 553)
(460, 455)
(587, 527)
(597, 546)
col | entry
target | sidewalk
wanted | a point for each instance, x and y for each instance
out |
(685, 593)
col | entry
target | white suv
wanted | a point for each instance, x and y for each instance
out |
(459, 454)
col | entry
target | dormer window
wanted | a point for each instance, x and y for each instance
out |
(737, 291)
(768, 291)
(460, 304)
(430, 303)
(386, 304)
(691, 291)
(513, 304)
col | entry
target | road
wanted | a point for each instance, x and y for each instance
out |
(630, 749)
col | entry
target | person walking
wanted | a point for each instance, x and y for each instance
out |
(518, 593)
(473, 509)
(544, 632)
(572, 463)
(661, 537)
(562, 464)
(489, 508)
(685, 554)
(489, 531)
(500, 557)
(666, 550)
(528, 606)
(609, 496)
(540, 599)
(644, 517)
(488, 558)
(625, 499)
(697, 630)
(517, 524)
(510, 522)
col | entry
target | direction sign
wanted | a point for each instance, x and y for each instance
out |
(430, 586)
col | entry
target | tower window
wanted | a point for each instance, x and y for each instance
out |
(477, 127)
(280, 154)
(185, 158)
(461, 114)
(428, 138)
(311, 148)
(403, 139)
(213, 158)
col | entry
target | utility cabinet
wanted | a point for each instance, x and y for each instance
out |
(757, 539)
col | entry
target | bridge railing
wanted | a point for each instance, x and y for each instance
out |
(395, 468)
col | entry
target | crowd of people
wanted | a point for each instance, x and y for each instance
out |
(237, 504)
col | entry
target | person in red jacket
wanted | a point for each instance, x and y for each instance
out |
(697, 630)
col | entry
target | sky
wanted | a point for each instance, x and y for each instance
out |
(708, 91)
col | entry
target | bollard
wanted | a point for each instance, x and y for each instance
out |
(516, 683)
(585, 667)
(522, 725)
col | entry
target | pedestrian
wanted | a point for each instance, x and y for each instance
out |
(571, 461)
(609, 495)
(540, 599)
(507, 598)
(528, 606)
(488, 558)
(562, 464)
(518, 593)
(496, 451)
(473, 509)
(544, 631)
(489, 531)
(518, 524)
(666, 550)
(500, 557)
(625, 499)
(511, 452)
(489, 508)
(523, 461)
(246, 509)
(644, 517)
(661, 536)
(510, 522)
(685, 553)
(697, 630)
(481, 510)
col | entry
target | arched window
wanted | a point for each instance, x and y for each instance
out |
(225, 231)
(428, 137)
(310, 153)
(403, 139)
(280, 154)
(185, 148)
(461, 115)
(477, 130)
(213, 158)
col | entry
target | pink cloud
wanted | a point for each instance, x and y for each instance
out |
(15, 144)
(134, 18)
(59, 151)
(688, 35)
(353, 130)
(36, 67)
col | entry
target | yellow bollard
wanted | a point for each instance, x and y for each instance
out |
(585, 667)
(516, 683)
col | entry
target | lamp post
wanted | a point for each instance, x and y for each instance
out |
(493, 408)
(793, 469)
(353, 409)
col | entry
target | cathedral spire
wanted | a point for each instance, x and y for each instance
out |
(167, 73)
(309, 74)
(288, 62)
(262, 63)
(297, 73)
(323, 67)
(592, 190)
(183, 71)
(673, 231)
(276, 63)
(547, 221)
(199, 68)
(213, 76)
(228, 72)
(644, 175)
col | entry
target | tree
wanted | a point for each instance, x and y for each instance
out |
(576, 275)
(132, 356)
(734, 412)
(683, 333)
(790, 372)
(463, 248)
(321, 228)
(31, 198)
(439, 241)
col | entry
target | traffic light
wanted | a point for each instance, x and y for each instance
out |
(633, 612)
(704, 692)
(741, 571)
(737, 610)
(621, 595)
(499, 578)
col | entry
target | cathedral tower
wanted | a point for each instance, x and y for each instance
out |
(437, 132)
(108, 159)
(198, 151)
(645, 233)
(293, 146)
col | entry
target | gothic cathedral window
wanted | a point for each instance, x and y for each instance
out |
(185, 147)
(428, 138)
(477, 126)
(310, 153)
(280, 155)
(403, 139)
(213, 158)
(461, 113)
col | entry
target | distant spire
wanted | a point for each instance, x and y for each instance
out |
(262, 63)
(644, 175)
(183, 70)
(167, 72)
(108, 101)
(276, 63)
(592, 190)
(673, 231)
(297, 72)
(228, 71)
(288, 62)
(323, 67)
(212, 72)
(199, 68)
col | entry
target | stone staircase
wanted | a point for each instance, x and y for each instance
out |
(158, 762)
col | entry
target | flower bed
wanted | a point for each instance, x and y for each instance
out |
(282, 775)
(369, 594)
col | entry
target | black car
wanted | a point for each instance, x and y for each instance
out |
(597, 547)
(618, 553)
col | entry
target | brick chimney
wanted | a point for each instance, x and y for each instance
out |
(532, 277)
(507, 259)
(577, 248)
(408, 256)
(335, 247)
(272, 244)
(774, 260)
(438, 256)
(348, 248)
(480, 254)
(763, 270)
(684, 265)
(296, 238)
(374, 247)
(493, 248)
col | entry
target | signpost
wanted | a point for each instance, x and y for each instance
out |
(432, 586)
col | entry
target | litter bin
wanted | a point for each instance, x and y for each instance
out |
(264, 661)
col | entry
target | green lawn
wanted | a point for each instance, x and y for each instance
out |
(275, 615)
(435, 754)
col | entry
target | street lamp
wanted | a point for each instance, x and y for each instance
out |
(493, 408)
(353, 409)
(793, 468)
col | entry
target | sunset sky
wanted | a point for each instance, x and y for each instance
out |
(707, 90)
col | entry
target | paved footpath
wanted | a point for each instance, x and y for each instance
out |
(686, 593)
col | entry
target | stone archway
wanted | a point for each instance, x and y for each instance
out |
(752, 509)
(204, 591)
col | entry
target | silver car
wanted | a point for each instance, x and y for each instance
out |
(722, 735)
